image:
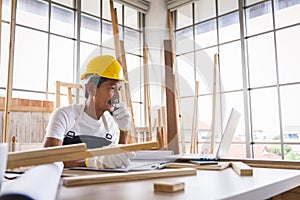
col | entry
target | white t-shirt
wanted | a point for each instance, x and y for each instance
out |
(63, 119)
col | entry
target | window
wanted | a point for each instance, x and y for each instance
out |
(47, 42)
(258, 73)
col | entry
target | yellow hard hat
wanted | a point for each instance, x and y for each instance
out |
(105, 66)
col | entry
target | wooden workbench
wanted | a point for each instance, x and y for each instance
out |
(207, 184)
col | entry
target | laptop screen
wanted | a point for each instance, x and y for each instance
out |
(228, 133)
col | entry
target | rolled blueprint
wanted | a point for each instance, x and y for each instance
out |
(38, 183)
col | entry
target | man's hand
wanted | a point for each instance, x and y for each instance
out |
(122, 117)
(111, 161)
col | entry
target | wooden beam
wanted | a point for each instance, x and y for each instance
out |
(147, 88)
(194, 138)
(115, 29)
(68, 153)
(9, 71)
(213, 118)
(46, 155)
(172, 113)
(281, 164)
(181, 130)
(116, 177)
(165, 128)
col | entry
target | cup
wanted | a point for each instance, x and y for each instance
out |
(3, 160)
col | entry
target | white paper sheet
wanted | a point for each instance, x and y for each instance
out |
(39, 183)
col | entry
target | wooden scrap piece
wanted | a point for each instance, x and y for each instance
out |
(242, 169)
(168, 186)
(116, 177)
(218, 166)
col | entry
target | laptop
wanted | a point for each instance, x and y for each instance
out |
(224, 146)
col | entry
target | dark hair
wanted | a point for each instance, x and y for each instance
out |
(98, 81)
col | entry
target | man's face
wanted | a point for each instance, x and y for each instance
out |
(105, 93)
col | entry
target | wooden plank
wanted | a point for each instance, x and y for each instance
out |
(281, 164)
(47, 159)
(165, 128)
(9, 71)
(219, 166)
(116, 177)
(168, 186)
(177, 90)
(213, 118)
(41, 152)
(122, 148)
(172, 114)
(194, 138)
(147, 89)
(242, 169)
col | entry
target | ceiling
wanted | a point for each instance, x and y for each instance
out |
(143, 5)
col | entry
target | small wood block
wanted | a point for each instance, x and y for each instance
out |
(242, 169)
(168, 186)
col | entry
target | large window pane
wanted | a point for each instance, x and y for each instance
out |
(231, 66)
(186, 76)
(261, 59)
(6, 10)
(87, 52)
(62, 21)
(287, 12)
(4, 56)
(90, 29)
(267, 152)
(235, 100)
(107, 34)
(229, 27)
(290, 107)
(227, 6)
(184, 40)
(206, 34)
(265, 117)
(249, 2)
(32, 13)
(204, 9)
(288, 47)
(132, 41)
(61, 61)
(259, 18)
(184, 16)
(30, 60)
(131, 18)
(204, 69)
(91, 7)
(69, 3)
(291, 152)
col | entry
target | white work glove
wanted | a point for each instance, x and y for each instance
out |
(110, 161)
(122, 117)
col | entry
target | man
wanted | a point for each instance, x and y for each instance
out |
(99, 120)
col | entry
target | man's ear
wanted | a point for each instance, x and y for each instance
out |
(91, 88)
